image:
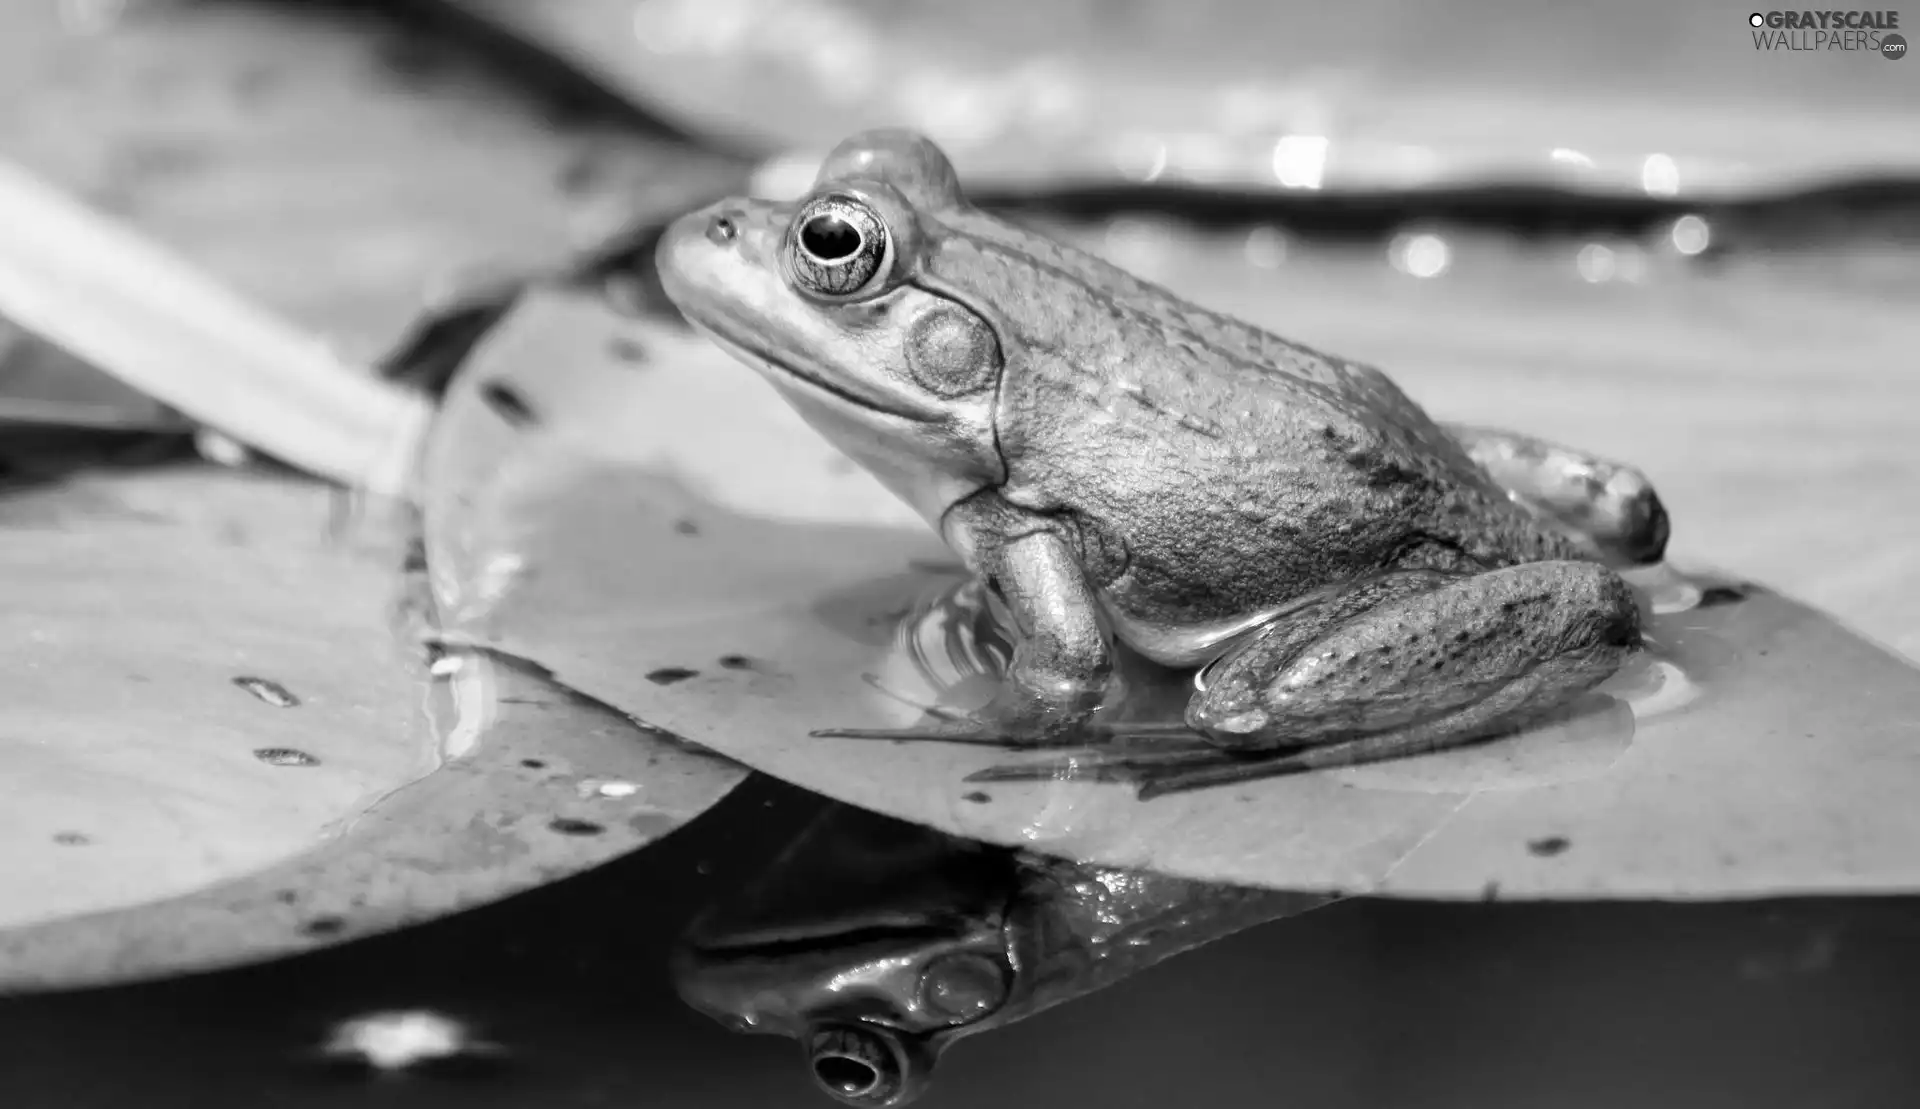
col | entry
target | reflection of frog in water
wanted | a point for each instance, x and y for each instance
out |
(1356, 580)
(876, 944)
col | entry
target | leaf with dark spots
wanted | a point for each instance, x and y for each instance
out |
(208, 851)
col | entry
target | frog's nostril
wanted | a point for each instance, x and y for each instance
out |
(722, 230)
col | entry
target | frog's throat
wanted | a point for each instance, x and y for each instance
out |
(929, 492)
(773, 367)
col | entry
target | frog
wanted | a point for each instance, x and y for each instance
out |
(1346, 578)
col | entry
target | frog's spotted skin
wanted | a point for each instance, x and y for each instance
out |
(1117, 463)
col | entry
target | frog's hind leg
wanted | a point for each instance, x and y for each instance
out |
(1609, 507)
(1475, 657)
(1287, 637)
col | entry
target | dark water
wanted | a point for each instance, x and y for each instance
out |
(1375, 1004)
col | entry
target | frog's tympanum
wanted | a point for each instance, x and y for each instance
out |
(1348, 579)
(876, 944)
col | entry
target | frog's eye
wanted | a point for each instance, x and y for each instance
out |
(838, 248)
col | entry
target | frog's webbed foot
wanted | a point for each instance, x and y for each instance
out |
(1608, 506)
(1498, 710)
(1160, 772)
(1157, 757)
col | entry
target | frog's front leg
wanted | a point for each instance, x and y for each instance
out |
(1404, 664)
(1608, 506)
(1061, 661)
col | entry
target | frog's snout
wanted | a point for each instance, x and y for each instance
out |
(702, 253)
(718, 226)
(720, 248)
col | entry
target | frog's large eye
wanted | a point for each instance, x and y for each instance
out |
(838, 248)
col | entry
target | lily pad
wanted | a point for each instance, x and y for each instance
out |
(220, 751)
(682, 546)
(1637, 98)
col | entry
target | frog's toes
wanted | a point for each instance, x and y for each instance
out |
(950, 731)
(989, 733)
(1641, 526)
(1136, 767)
(1159, 773)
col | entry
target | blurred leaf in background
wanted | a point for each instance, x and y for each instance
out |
(1637, 98)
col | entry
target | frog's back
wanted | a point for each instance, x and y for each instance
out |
(1213, 467)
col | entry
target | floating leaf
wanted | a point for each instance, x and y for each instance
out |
(217, 751)
(663, 514)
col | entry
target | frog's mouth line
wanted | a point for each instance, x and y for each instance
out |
(766, 362)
